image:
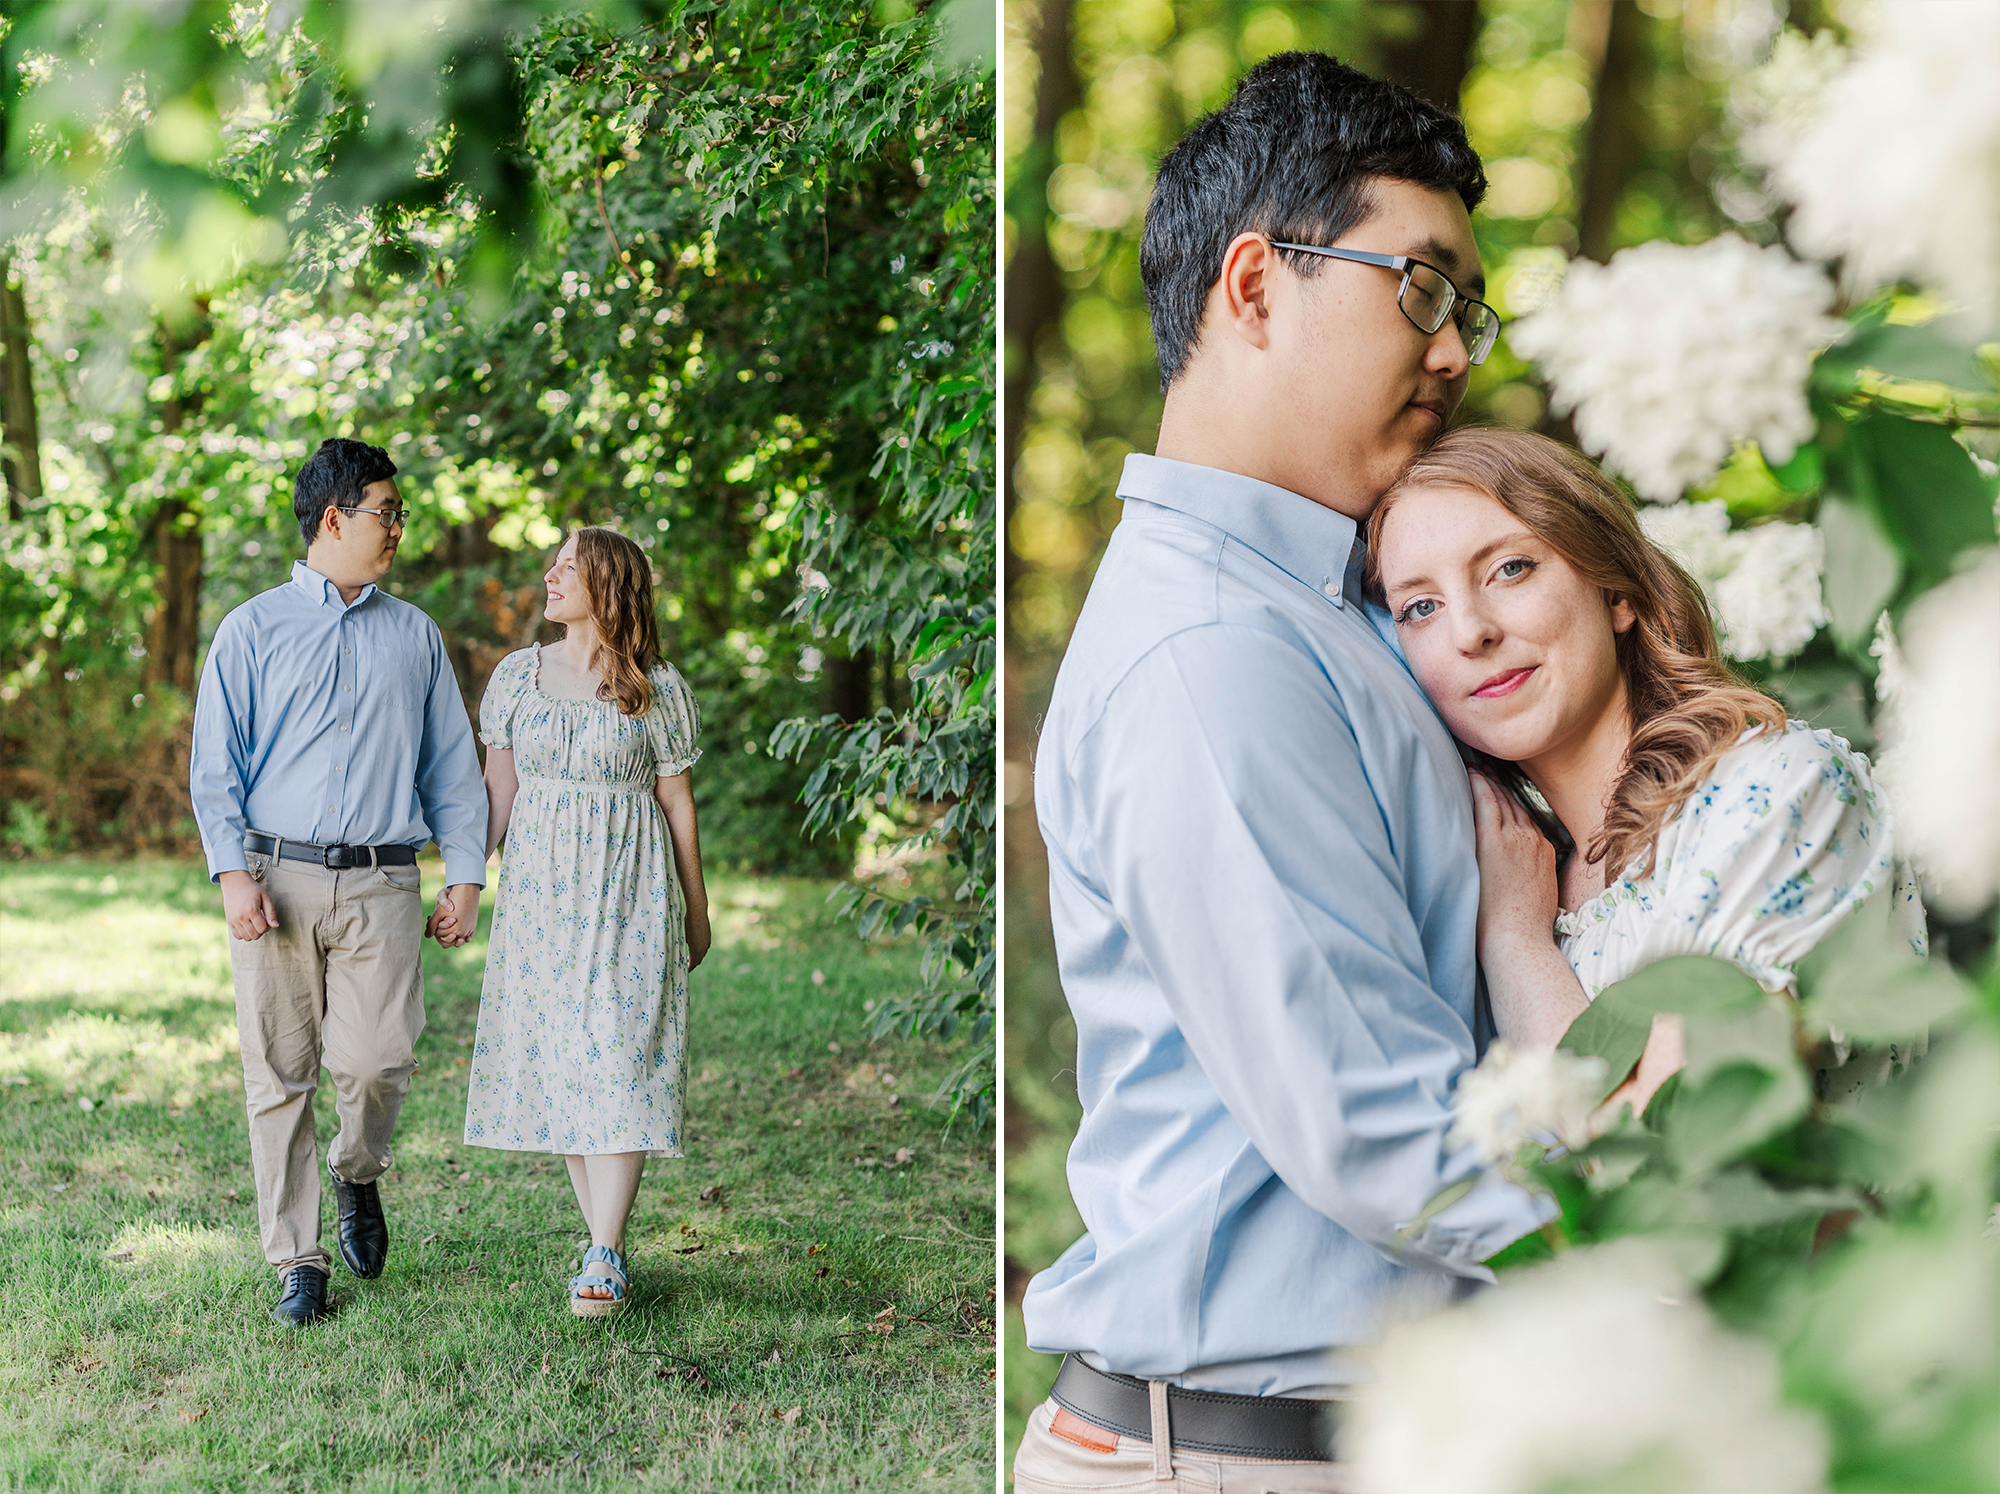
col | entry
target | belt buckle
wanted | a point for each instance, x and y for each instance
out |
(345, 855)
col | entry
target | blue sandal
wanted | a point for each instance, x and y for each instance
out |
(599, 1307)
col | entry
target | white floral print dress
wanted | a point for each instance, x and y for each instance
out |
(583, 1016)
(1788, 836)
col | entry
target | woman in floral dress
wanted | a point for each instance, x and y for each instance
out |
(1577, 660)
(601, 912)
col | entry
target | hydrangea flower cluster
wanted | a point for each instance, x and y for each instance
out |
(1942, 727)
(1572, 1372)
(1518, 1095)
(1898, 173)
(1670, 354)
(1765, 584)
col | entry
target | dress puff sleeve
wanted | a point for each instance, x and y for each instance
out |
(1787, 837)
(672, 722)
(510, 681)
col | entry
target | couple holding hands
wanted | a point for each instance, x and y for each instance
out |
(1274, 885)
(331, 743)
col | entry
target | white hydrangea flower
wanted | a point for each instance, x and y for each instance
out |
(1671, 354)
(1517, 1095)
(1771, 602)
(1773, 106)
(1572, 1371)
(1890, 670)
(1765, 584)
(1898, 175)
(1941, 766)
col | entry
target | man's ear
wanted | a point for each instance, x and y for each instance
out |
(329, 521)
(1237, 304)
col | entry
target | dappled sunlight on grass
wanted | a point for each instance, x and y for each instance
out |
(176, 1247)
(105, 1060)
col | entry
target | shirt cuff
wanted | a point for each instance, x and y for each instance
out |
(226, 858)
(460, 869)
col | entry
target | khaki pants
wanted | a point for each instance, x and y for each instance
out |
(1049, 1463)
(341, 976)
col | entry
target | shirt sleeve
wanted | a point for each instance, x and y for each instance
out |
(224, 706)
(1786, 839)
(449, 784)
(1256, 874)
(504, 688)
(673, 722)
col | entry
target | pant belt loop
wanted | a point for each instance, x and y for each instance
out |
(1163, 1437)
(277, 849)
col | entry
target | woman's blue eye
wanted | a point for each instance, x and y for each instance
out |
(1511, 570)
(1418, 610)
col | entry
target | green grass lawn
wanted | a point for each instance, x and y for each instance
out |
(805, 1314)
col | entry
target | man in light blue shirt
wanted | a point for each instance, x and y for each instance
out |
(1260, 837)
(330, 744)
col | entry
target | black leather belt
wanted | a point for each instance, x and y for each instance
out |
(334, 858)
(1278, 1427)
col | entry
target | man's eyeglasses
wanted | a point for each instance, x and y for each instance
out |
(391, 518)
(1426, 297)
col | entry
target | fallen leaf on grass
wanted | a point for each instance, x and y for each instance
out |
(712, 1194)
(885, 1322)
(84, 1367)
(862, 1076)
(774, 1359)
(788, 1417)
(189, 1418)
(904, 1156)
(824, 1271)
(121, 1255)
(426, 1239)
(690, 1249)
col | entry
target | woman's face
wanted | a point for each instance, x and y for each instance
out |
(1515, 649)
(566, 602)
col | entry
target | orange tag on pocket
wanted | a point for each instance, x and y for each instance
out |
(1073, 1428)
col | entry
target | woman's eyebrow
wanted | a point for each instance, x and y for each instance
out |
(1505, 542)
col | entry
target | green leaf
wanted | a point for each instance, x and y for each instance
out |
(1738, 1107)
(1865, 981)
(1760, 1035)
(1925, 492)
(1920, 353)
(1862, 569)
(1690, 985)
(1607, 1030)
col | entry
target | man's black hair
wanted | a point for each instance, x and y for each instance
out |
(336, 474)
(1291, 155)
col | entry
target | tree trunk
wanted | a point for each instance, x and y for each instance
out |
(1616, 137)
(174, 643)
(1034, 299)
(848, 685)
(1432, 62)
(23, 464)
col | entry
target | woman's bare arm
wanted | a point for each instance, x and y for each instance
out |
(501, 786)
(1535, 993)
(676, 798)
(502, 783)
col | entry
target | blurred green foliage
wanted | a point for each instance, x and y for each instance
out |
(719, 275)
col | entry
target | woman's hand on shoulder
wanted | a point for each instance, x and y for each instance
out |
(1517, 871)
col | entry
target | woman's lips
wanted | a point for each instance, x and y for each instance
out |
(1505, 683)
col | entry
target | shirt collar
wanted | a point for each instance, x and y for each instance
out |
(1308, 541)
(321, 590)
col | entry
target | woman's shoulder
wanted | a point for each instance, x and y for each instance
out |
(1797, 764)
(519, 664)
(665, 676)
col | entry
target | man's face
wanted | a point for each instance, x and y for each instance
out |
(357, 542)
(1366, 389)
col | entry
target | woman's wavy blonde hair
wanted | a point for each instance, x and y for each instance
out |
(1687, 707)
(618, 590)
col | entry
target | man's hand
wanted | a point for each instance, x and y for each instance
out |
(247, 907)
(456, 917)
(1517, 872)
(697, 936)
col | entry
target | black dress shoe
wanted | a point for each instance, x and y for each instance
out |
(305, 1300)
(364, 1233)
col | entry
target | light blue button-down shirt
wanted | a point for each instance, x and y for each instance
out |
(1263, 885)
(337, 724)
